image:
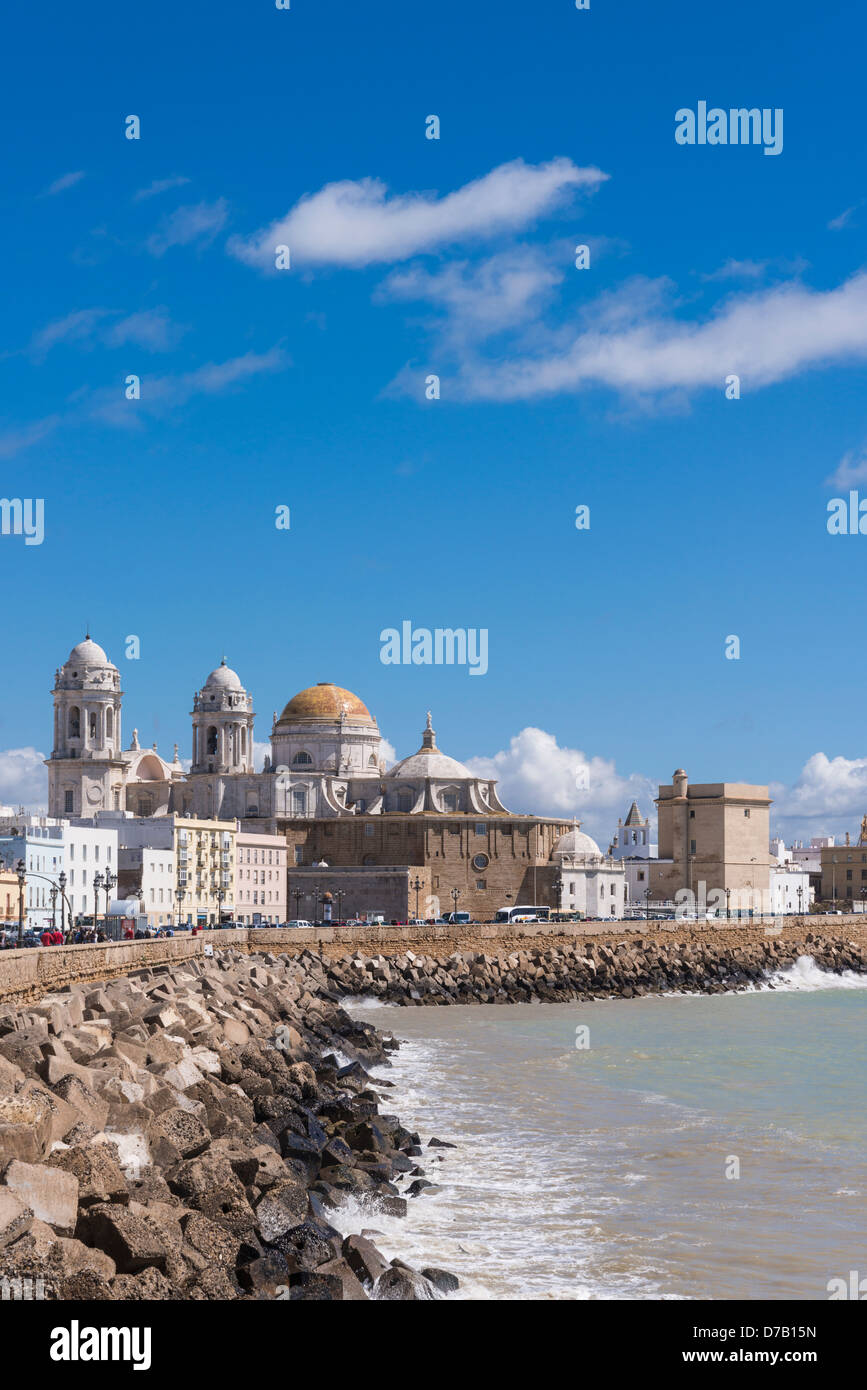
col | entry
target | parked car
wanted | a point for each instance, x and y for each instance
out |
(299, 922)
(458, 919)
(416, 922)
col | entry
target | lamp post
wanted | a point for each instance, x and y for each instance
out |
(108, 883)
(455, 894)
(557, 889)
(179, 894)
(728, 902)
(315, 903)
(21, 871)
(221, 893)
(801, 896)
(417, 887)
(647, 904)
(61, 879)
(97, 884)
(52, 893)
(340, 894)
(298, 894)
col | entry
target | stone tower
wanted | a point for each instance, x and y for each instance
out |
(85, 770)
(222, 724)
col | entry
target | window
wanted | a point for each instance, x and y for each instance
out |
(506, 829)
(454, 830)
(640, 875)
(68, 798)
(480, 861)
(368, 829)
(299, 801)
(481, 884)
(481, 828)
(747, 812)
(302, 758)
(691, 816)
(692, 846)
(848, 873)
(299, 855)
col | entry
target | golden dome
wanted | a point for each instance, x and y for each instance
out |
(325, 702)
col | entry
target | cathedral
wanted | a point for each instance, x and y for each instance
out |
(325, 762)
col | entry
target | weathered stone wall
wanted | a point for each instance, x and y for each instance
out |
(27, 975)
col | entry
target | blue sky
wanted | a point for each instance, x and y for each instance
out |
(559, 387)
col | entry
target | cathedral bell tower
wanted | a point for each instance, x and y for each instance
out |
(85, 770)
(222, 724)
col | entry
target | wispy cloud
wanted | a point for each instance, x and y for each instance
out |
(755, 270)
(851, 470)
(152, 329)
(844, 219)
(160, 395)
(60, 185)
(635, 343)
(23, 777)
(480, 299)
(159, 186)
(194, 222)
(359, 223)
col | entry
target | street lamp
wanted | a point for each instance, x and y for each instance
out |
(557, 889)
(97, 884)
(340, 894)
(221, 893)
(21, 871)
(417, 886)
(108, 883)
(455, 894)
(801, 896)
(728, 901)
(179, 894)
(298, 894)
(315, 903)
(52, 893)
(647, 904)
(61, 879)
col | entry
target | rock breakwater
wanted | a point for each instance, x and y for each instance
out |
(189, 1132)
(586, 969)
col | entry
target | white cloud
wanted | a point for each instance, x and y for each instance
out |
(764, 337)
(158, 186)
(358, 223)
(851, 470)
(536, 776)
(500, 292)
(23, 778)
(194, 222)
(148, 328)
(829, 793)
(844, 219)
(60, 185)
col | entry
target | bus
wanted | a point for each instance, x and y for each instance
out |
(523, 913)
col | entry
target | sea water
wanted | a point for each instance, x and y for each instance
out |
(664, 1147)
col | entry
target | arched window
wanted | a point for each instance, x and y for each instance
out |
(302, 759)
(371, 762)
(75, 722)
(109, 723)
(212, 739)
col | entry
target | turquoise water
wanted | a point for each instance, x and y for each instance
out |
(601, 1171)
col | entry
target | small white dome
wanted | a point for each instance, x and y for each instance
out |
(576, 843)
(224, 677)
(431, 764)
(88, 653)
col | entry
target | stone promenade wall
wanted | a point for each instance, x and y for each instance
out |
(30, 974)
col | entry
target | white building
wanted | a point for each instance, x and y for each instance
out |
(50, 846)
(790, 890)
(149, 875)
(632, 838)
(592, 883)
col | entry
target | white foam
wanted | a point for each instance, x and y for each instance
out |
(805, 974)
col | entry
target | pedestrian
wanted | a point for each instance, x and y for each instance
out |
(46, 937)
